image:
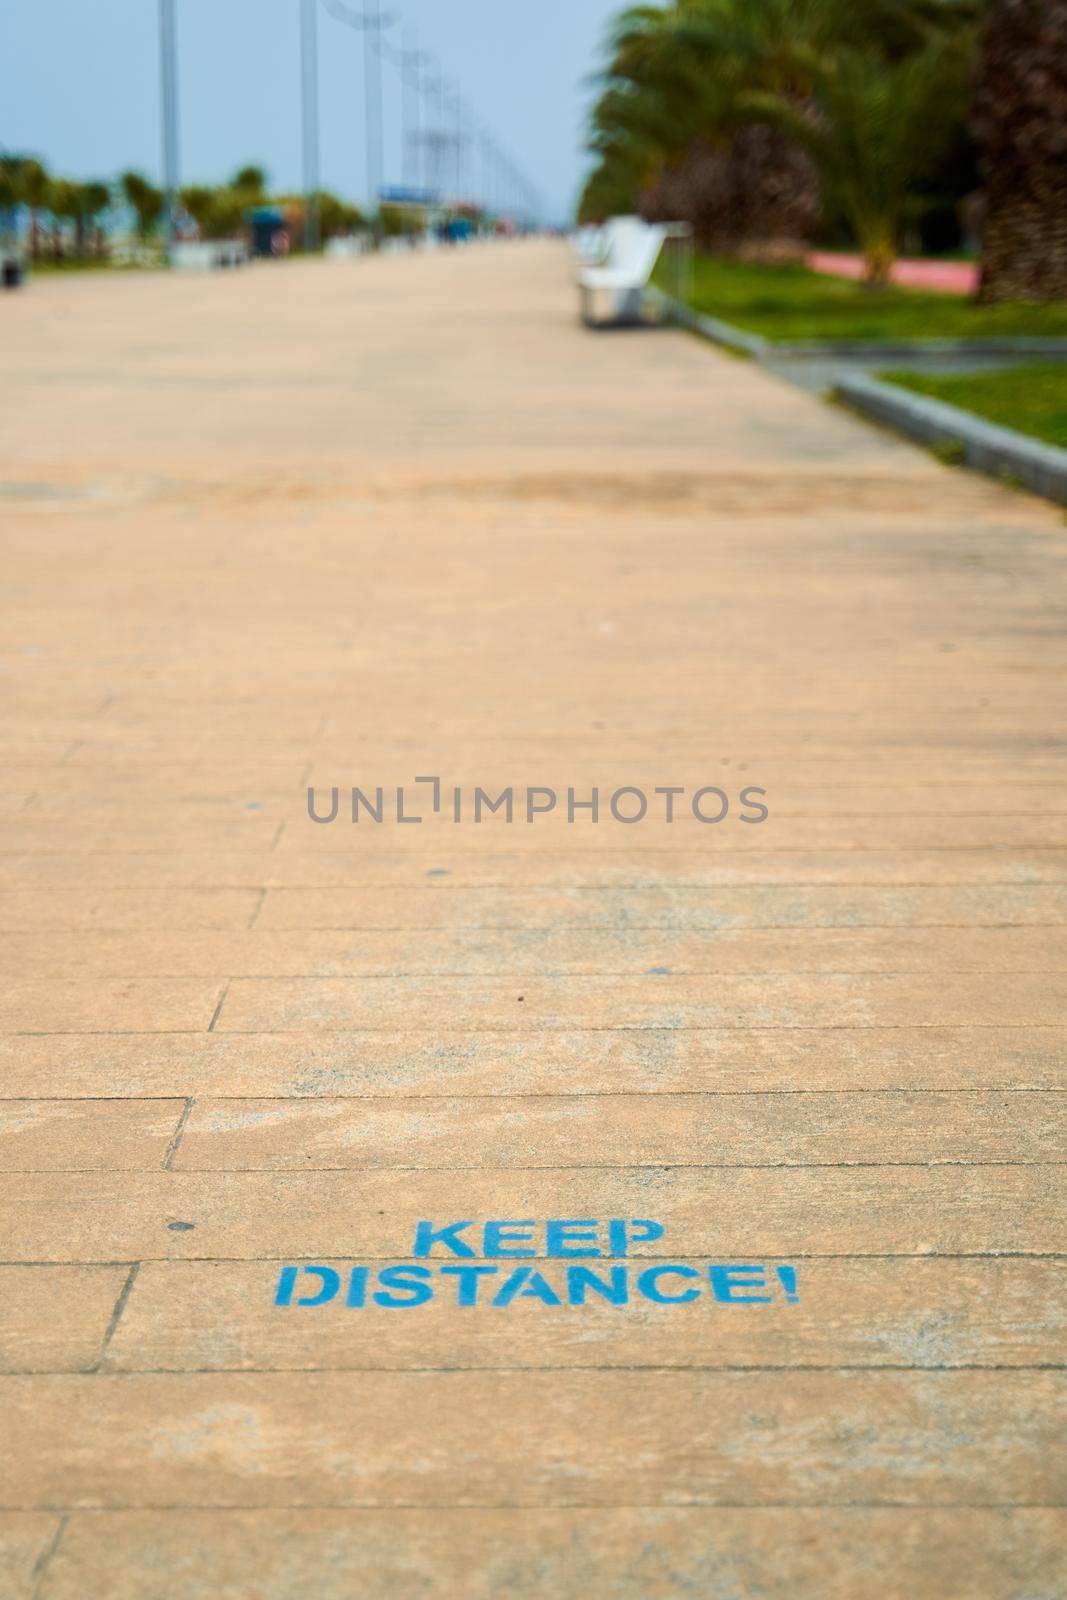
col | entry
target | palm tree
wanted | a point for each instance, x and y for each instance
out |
(33, 192)
(1020, 120)
(250, 181)
(146, 201)
(666, 129)
(227, 214)
(88, 200)
(665, 87)
(875, 128)
(733, 89)
(337, 218)
(219, 213)
(62, 203)
(198, 200)
(669, 132)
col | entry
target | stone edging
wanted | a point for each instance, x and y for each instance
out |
(985, 447)
(724, 333)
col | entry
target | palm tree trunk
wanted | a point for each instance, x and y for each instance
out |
(1025, 254)
(877, 232)
(1021, 123)
(879, 258)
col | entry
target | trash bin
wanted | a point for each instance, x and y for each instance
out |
(269, 231)
(12, 259)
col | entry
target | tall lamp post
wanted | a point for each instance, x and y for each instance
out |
(372, 24)
(309, 75)
(411, 61)
(372, 78)
(487, 173)
(457, 112)
(168, 59)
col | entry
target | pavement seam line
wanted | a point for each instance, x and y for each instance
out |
(116, 1315)
(794, 1255)
(545, 1094)
(322, 1369)
(44, 1558)
(218, 1009)
(271, 1508)
(933, 1164)
(176, 1137)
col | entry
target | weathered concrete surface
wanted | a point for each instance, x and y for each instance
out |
(351, 524)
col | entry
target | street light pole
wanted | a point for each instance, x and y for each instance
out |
(458, 112)
(370, 22)
(372, 68)
(441, 163)
(309, 62)
(410, 59)
(487, 174)
(168, 57)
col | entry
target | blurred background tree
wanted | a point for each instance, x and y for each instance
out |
(34, 184)
(892, 125)
(336, 218)
(87, 203)
(197, 201)
(70, 214)
(251, 181)
(62, 205)
(146, 202)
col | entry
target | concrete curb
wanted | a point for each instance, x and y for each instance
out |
(1000, 452)
(754, 344)
(907, 349)
(721, 333)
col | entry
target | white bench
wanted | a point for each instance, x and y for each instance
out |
(612, 293)
(127, 252)
(347, 246)
(205, 255)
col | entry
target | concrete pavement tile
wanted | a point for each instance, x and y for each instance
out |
(619, 950)
(655, 1554)
(56, 1318)
(144, 910)
(535, 1438)
(785, 1211)
(638, 1130)
(86, 1135)
(633, 868)
(769, 1000)
(594, 1061)
(670, 907)
(121, 1005)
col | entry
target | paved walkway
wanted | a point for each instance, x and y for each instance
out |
(362, 524)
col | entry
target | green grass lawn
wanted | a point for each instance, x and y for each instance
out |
(90, 264)
(790, 302)
(1031, 399)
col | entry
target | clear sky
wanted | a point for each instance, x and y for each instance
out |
(81, 85)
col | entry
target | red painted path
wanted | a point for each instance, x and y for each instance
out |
(948, 277)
